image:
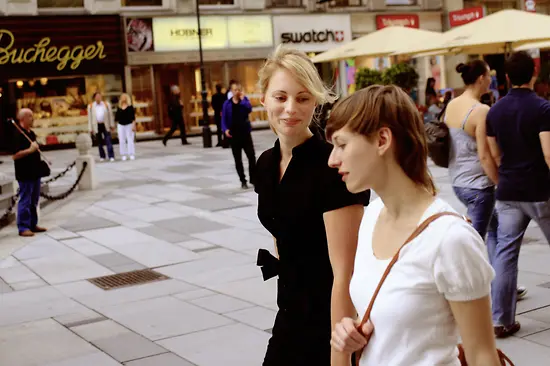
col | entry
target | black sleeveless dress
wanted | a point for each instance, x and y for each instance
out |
(292, 210)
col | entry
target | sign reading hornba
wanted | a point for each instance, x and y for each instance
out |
(312, 33)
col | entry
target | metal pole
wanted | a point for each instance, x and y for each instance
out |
(205, 122)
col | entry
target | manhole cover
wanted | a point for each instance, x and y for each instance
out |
(128, 279)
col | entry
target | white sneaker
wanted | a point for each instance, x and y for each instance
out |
(132, 157)
(124, 158)
(112, 159)
(102, 160)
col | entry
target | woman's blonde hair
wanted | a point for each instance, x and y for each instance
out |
(128, 99)
(301, 68)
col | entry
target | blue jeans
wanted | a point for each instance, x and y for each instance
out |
(29, 194)
(514, 217)
(104, 137)
(481, 210)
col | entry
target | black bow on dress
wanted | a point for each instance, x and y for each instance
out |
(268, 263)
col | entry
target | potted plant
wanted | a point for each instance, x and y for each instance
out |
(402, 75)
(365, 77)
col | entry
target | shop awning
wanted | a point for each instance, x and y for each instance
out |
(503, 31)
(380, 43)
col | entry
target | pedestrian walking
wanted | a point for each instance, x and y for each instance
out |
(518, 126)
(27, 163)
(100, 125)
(125, 116)
(438, 290)
(217, 104)
(306, 207)
(237, 128)
(175, 112)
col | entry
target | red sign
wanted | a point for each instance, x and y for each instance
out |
(402, 20)
(465, 16)
(530, 6)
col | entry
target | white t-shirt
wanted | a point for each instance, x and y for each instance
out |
(100, 111)
(413, 322)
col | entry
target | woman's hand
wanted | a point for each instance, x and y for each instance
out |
(346, 338)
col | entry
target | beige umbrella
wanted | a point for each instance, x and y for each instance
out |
(377, 44)
(497, 33)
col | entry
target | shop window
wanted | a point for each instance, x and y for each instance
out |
(60, 104)
(216, 2)
(142, 100)
(401, 2)
(343, 3)
(492, 6)
(284, 3)
(141, 2)
(60, 4)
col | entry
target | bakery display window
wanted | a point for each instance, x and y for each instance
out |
(60, 104)
(142, 100)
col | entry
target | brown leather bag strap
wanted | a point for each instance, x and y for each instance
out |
(415, 233)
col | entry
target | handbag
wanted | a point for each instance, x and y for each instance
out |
(461, 355)
(43, 169)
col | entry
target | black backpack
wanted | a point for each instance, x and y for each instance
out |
(439, 143)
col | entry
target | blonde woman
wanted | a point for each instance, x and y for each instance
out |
(313, 218)
(126, 118)
(438, 291)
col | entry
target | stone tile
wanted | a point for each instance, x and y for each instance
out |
(116, 236)
(121, 205)
(128, 346)
(236, 345)
(66, 268)
(253, 290)
(224, 274)
(196, 294)
(25, 285)
(185, 168)
(95, 298)
(127, 268)
(86, 247)
(163, 317)
(524, 352)
(93, 359)
(166, 359)
(58, 233)
(164, 234)
(181, 195)
(257, 317)
(111, 260)
(153, 214)
(542, 315)
(196, 244)
(223, 218)
(542, 338)
(202, 182)
(190, 225)
(100, 330)
(221, 304)
(43, 247)
(9, 262)
(236, 239)
(214, 204)
(4, 287)
(17, 274)
(156, 253)
(89, 222)
(50, 342)
(249, 213)
(85, 316)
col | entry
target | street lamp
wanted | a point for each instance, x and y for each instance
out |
(205, 122)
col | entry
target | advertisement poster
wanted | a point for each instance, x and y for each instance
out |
(350, 75)
(139, 34)
(435, 71)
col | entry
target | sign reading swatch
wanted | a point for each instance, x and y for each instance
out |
(218, 32)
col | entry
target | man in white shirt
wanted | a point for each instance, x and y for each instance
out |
(100, 124)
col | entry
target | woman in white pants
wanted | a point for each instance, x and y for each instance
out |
(126, 118)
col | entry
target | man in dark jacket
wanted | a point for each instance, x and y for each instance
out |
(236, 126)
(175, 112)
(217, 104)
(27, 172)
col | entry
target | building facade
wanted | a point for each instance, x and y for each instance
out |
(158, 40)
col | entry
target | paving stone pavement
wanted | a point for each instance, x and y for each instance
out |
(179, 210)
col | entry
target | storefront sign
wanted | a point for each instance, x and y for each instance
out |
(465, 16)
(312, 33)
(181, 33)
(400, 20)
(530, 6)
(60, 45)
(250, 31)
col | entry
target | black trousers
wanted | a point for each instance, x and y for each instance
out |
(219, 132)
(238, 144)
(175, 125)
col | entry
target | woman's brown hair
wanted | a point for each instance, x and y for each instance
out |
(369, 109)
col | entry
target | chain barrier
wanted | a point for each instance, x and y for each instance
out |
(66, 194)
(15, 197)
(60, 174)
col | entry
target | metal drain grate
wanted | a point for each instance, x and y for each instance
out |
(126, 279)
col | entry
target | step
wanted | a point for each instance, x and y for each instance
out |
(5, 201)
(7, 186)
